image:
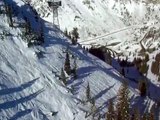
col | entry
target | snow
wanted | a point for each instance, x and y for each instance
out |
(30, 88)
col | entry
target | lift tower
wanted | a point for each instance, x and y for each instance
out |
(54, 6)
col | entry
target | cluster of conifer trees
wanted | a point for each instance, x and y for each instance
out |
(67, 68)
(73, 35)
(122, 110)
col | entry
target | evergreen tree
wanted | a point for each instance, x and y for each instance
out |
(27, 26)
(66, 32)
(123, 72)
(93, 107)
(142, 87)
(110, 112)
(108, 57)
(69, 35)
(123, 103)
(151, 116)
(67, 66)
(143, 68)
(93, 101)
(145, 116)
(99, 116)
(9, 14)
(5, 6)
(75, 36)
(41, 35)
(74, 71)
(146, 59)
(135, 115)
(63, 77)
(88, 94)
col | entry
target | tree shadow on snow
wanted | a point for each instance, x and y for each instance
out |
(140, 104)
(84, 70)
(14, 103)
(20, 114)
(100, 94)
(100, 110)
(17, 89)
(82, 73)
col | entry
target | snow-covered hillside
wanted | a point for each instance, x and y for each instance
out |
(126, 27)
(120, 25)
(30, 88)
(95, 18)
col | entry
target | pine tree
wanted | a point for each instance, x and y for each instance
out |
(151, 115)
(135, 115)
(93, 107)
(146, 59)
(75, 36)
(123, 72)
(145, 116)
(110, 112)
(67, 66)
(5, 6)
(144, 68)
(108, 57)
(123, 103)
(69, 35)
(63, 77)
(9, 14)
(88, 94)
(66, 32)
(74, 71)
(142, 87)
(27, 26)
(99, 116)
(41, 36)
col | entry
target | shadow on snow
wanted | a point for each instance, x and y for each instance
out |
(17, 89)
(20, 114)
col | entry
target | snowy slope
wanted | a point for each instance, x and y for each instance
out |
(119, 25)
(29, 86)
(94, 18)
